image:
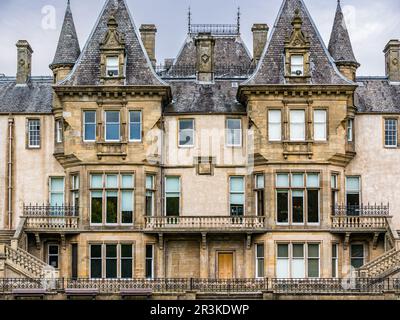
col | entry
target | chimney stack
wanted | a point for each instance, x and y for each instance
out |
(392, 60)
(205, 44)
(260, 37)
(148, 34)
(24, 62)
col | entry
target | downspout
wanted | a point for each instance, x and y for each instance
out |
(10, 169)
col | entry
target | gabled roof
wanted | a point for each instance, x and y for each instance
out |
(35, 97)
(340, 45)
(271, 69)
(138, 67)
(231, 56)
(68, 49)
(377, 95)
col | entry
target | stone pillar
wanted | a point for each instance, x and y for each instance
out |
(392, 60)
(24, 62)
(148, 34)
(204, 258)
(205, 57)
(260, 37)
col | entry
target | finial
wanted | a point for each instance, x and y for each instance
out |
(189, 21)
(238, 20)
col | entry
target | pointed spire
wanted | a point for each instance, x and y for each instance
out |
(68, 49)
(340, 46)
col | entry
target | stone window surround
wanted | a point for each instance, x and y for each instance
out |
(390, 117)
(27, 143)
(309, 123)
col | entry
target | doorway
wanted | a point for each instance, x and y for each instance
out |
(225, 265)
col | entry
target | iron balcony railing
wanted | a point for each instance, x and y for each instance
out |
(190, 71)
(48, 217)
(368, 217)
(220, 223)
(309, 286)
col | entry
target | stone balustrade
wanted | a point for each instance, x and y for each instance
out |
(382, 266)
(368, 223)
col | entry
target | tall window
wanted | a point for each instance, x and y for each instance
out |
(56, 191)
(53, 253)
(303, 190)
(298, 260)
(320, 125)
(149, 261)
(150, 191)
(260, 260)
(353, 195)
(112, 198)
(112, 127)
(59, 131)
(357, 255)
(112, 66)
(74, 192)
(275, 125)
(259, 192)
(390, 133)
(111, 261)
(234, 132)
(172, 196)
(89, 127)
(297, 65)
(34, 133)
(186, 133)
(236, 190)
(297, 125)
(335, 263)
(350, 132)
(135, 126)
(334, 191)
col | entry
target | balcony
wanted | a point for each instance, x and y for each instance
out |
(222, 224)
(46, 218)
(360, 218)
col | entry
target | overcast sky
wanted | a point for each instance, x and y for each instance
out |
(371, 24)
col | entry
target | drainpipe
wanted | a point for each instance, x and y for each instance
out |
(10, 168)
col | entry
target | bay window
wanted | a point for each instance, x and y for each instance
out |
(297, 125)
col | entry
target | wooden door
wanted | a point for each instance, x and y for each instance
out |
(225, 265)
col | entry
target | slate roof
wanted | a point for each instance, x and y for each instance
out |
(232, 58)
(36, 97)
(68, 49)
(323, 70)
(340, 45)
(190, 97)
(138, 67)
(377, 95)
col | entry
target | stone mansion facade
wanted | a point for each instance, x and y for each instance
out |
(220, 165)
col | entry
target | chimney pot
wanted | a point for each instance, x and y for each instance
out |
(260, 37)
(24, 62)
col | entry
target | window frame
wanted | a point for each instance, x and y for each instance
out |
(227, 132)
(274, 123)
(152, 261)
(364, 257)
(53, 255)
(350, 130)
(74, 189)
(395, 133)
(30, 132)
(294, 124)
(90, 123)
(237, 192)
(140, 123)
(299, 66)
(193, 132)
(324, 124)
(111, 68)
(153, 192)
(347, 191)
(112, 123)
(166, 192)
(335, 260)
(257, 259)
(51, 191)
(59, 131)
(257, 191)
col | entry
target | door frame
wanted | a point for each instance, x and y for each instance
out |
(217, 253)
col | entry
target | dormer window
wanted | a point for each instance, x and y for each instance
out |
(297, 65)
(112, 67)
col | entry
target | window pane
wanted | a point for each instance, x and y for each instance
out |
(90, 125)
(260, 251)
(234, 124)
(97, 181)
(111, 251)
(237, 184)
(173, 184)
(53, 249)
(334, 179)
(313, 268)
(274, 125)
(149, 182)
(260, 268)
(237, 210)
(127, 181)
(320, 125)
(260, 181)
(34, 133)
(126, 251)
(112, 125)
(313, 206)
(112, 61)
(135, 128)
(297, 125)
(97, 207)
(283, 250)
(353, 184)
(313, 180)
(126, 268)
(172, 205)
(95, 251)
(57, 184)
(298, 206)
(298, 268)
(112, 207)
(111, 268)
(282, 180)
(127, 207)
(282, 268)
(186, 132)
(53, 261)
(357, 251)
(95, 268)
(283, 206)
(234, 132)
(112, 181)
(391, 132)
(313, 250)
(298, 180)
(298, 250)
